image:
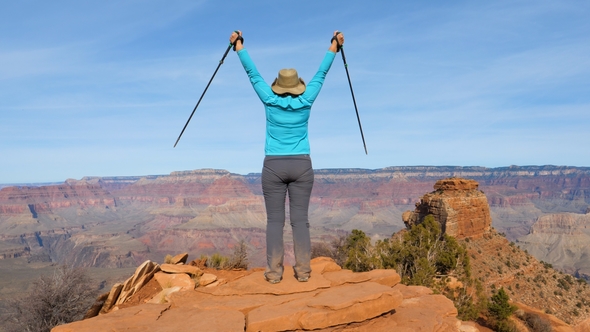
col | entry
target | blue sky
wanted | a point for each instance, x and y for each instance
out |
(103, 88)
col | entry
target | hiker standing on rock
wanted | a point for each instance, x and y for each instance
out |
(287, 165)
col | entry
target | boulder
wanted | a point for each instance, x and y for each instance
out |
(138, 280)
(169, 280)
(112, 298)
(164, 295)
(188, 269)
(207, 279)
(427, 313)
(180, 258)
(200, 263)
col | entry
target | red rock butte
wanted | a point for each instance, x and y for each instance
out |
(457, 205)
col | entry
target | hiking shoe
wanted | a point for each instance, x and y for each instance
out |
(302, 279)
(272, 281)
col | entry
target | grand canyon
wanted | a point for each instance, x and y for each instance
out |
(116, 223)
(120, 221)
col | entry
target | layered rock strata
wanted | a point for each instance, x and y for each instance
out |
(457, 205)
(344, 199)
(561, 239)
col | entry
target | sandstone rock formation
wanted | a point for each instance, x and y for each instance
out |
(457, 205)
(332, 300)
(169, 277)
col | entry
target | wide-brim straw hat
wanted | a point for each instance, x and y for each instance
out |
(288, 82)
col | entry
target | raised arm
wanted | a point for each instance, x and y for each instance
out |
(315, 84)
(262, 89)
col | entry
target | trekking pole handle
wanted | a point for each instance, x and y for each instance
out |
(240, 38)
(335, 38)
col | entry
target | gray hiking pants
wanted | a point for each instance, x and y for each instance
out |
(282, 174)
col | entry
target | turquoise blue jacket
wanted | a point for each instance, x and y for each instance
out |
(286, 117)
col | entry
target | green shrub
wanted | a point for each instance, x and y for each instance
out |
(360, 256)
(217, 261)
(505, 326)
(562, 283)
(499, 306)
(419, 255)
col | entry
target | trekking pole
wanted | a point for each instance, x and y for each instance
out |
(211, 80)
(341, 49)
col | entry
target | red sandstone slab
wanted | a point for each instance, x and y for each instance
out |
(168, 280)
(180, 258)
(412, 291)
(284, 317)
(189, 319)
(112, 298)
(427, 313)
(188, 269)
(207, 279)
(324, 264)
(382, 323)
(144, 269)
(384, 277)
(138, 318)
(332, 307)
(338, 298)
(356, 313)
(164, 295)
(256, 284)
(159, 318)
(136, 286)
(342, 277)
(243, 303)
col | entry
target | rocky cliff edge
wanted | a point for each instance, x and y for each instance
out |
(333, 299)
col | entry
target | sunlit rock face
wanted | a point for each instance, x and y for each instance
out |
(457, 205)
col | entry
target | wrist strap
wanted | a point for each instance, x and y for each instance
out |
(337, 43)
(240, 38)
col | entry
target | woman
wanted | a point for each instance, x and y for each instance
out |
(287, 165)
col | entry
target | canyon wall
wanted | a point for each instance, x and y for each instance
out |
(563, 240)
(110, 216)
